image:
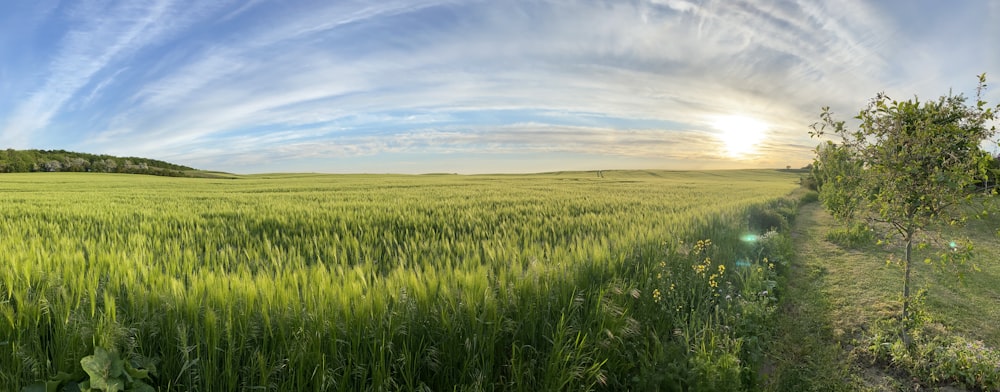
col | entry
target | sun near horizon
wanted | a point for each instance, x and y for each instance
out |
(740, 135)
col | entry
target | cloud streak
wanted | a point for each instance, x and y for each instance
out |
(99, 35)
(254, 86)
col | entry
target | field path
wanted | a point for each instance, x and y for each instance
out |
(804, 356)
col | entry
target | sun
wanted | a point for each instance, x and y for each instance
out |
(740, 134)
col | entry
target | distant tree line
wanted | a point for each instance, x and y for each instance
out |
(25, 161)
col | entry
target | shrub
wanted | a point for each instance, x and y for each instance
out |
(809, 197)
(763, 219)
(809, 182)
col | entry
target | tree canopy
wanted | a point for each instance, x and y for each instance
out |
(23, 161)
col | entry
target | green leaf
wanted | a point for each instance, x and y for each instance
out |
(137, 374)
(140, 386)
(98, 365)
(63, 376)
(117, 367)
(104, 369)
(115, 385)
(142, 366)
(102, 384)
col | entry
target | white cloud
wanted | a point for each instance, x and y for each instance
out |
(99, 34)
(354, 78)
(544, 66)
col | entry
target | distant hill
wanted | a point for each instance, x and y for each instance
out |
(24, 161)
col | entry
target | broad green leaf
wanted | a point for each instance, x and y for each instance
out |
(63, 376)
(117, 367)
(97, 366)
(140, 386)
(100, 383)
(115, 385)
(137, 374)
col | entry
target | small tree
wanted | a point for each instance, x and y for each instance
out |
(908, 165)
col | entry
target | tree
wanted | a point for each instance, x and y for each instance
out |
(908, 165)
(837, 166)
(52, 166)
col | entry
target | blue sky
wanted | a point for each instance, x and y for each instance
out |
(470, 86)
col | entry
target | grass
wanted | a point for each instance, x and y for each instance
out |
(969, 306)
(559, 281)
(811, 352)
(836, 295)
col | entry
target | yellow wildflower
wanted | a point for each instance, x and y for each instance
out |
(701, 245)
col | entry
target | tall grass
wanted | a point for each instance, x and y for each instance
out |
(563, 281)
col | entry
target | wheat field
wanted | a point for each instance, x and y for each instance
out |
(556, 281)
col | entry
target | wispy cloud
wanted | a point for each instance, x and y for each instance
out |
(98, 34)
(248, 85)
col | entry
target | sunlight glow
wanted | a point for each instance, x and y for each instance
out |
(740, 134)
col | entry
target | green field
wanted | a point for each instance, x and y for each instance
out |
(558, 281)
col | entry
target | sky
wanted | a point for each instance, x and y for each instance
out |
(496, 86)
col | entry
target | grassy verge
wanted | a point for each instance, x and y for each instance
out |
(838, 295)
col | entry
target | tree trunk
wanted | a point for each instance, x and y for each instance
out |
(906, 287)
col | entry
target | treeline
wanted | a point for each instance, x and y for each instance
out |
(24, 161)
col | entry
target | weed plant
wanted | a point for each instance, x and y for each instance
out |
(935, 355)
